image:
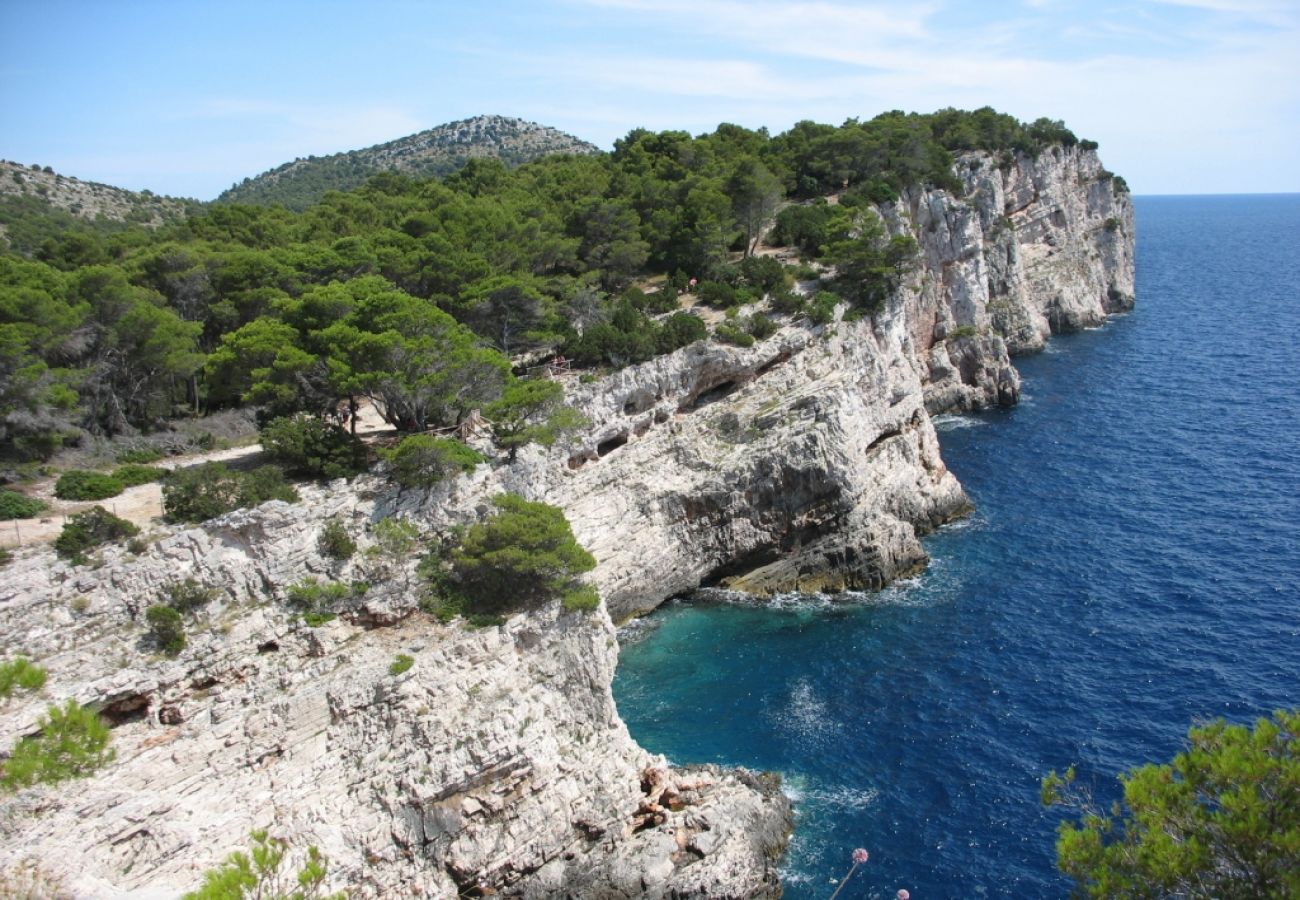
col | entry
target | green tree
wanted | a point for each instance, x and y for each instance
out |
(257, 874)
(305, 445)
(531, 412)
(523, 556)
(1222, 820)
(755, 193)
(87, 530)
(73, 742)
(166, 628)
(198, 493)
(422, 460)
(19, 674)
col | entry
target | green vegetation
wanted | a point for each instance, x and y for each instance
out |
(79, 485)
(434, 153)
(73, 742)
(14, 505)
(421, 460)
(188, 596)
(335, 542)
(401, 664)
(133, 474)
(257, 874)
(1222, 820)
(523, 556)
(87, 530)
(140, 455)
(308, 446)
(414, 295)
(963, 331)
(19, 674)
(199, 493)
(166, 628)
(531, 412)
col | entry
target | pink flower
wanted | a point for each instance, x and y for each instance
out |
(859, 856)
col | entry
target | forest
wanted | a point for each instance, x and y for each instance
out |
(430, 298)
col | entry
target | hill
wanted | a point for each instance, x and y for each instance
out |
(38, 203)
(438, 151)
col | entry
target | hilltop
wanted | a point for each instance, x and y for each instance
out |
(435, 152)
(38, 203)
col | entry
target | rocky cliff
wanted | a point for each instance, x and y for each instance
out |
(497, 762)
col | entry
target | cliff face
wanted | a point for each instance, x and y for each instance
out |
(807, 461)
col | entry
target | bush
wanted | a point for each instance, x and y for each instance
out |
(73, 742)
(14, 505)
(19, 674)
(822, 308)
(166, 628)
(335, 542)
(188, 595)
(140, 455)
(199, 493)
(401, 664)
(79, 485)
(679, 330)
(6, 557)
(717, 294)
(583, 598)
(89, 529)
(134, 474)
(763, 273)
(318, 596)
(258, 875)
(523, 556)
(421, 460)
(308, 446)
(730, 335)
(760, 326)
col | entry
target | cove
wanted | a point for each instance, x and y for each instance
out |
(1133, 564)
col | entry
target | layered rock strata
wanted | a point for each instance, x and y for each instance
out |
(497, 761)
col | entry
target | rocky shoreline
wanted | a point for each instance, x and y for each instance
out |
(497, 762)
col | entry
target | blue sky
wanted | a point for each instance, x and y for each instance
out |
(185, 98)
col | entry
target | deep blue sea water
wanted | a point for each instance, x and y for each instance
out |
(1133, 564)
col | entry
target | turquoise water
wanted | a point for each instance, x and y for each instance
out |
(1133, 564)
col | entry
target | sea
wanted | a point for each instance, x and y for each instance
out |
(1132, 567)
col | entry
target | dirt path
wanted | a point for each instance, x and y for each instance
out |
(142, 504)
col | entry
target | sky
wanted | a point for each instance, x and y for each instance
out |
(187, 97)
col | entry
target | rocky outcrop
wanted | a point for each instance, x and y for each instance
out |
(497, 761)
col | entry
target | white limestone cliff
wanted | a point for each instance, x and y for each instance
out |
(498, 762)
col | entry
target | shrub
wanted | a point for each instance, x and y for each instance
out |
(762, 273)
(89, 529)
(421, 460)
(963, 331)
(18, 674)
(188, 595)
(317, 619)
(679, 330)
(401, 664)
(73, 742)
(583, 598)
(308, 446)
(523, 556)
(717, 294)
(140, 455)
(134, 474)
(166, 628)
(14, 505)
(199, 493)
(79, 485)
(335, 542)
(729, 335)
(258, 875)
(316, 596)
(760, 326)
(6, 557)
(822, 308)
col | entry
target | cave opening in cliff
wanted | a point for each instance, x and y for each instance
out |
(609, 445)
